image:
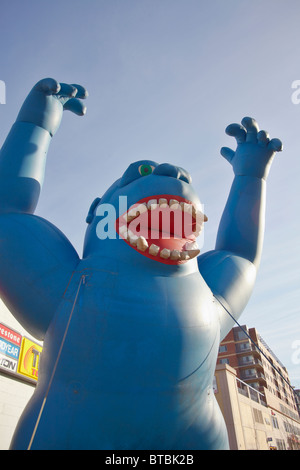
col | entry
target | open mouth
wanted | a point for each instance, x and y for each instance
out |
(163, 228)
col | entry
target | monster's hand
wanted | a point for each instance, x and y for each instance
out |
(46, 102)
(23, 154)
(255, 151)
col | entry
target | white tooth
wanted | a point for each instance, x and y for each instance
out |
(184, 255)
(163, 202)
(193, 253)
(135, 211)
(132, 214)
(191, 246)
(165, 253)
(186, 207)
(199, 216)
(196, 210)
(154, 250)
(132, 238)
(174, 204)
(123, 231)
(141, 208)
(198, 229)
(152, 204)
(142, 244)
(175, 255)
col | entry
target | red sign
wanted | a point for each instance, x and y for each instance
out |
(10, 335)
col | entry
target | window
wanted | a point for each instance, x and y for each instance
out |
(224, 360)
(250, 373)
(258, 417)
(222, 349)
(254, 385)
(243, 347)
(286, 426)
(247, 359)
(280, 444)
(275, 422)
(267, 421)
(239, 334)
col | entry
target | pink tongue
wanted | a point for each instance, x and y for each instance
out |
(163, 223)
(169, 243)
(162, 240)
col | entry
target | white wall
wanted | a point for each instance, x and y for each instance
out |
(14, 394)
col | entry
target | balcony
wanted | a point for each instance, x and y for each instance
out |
(253, 374)
(250, 392)
(245, 348)
(242, 362)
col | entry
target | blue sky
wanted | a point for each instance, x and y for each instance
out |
(165, 78)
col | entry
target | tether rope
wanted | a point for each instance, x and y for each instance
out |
(82, 280)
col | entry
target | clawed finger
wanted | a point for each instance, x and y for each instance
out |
(276, 145)
(48, 86)
(237, 131)
(64, 90)
(75, 106)
(81, 91)
(251, 127)
(227, 153)
(67, 90)
(263, 138)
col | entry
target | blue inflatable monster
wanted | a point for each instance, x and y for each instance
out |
(131, 331)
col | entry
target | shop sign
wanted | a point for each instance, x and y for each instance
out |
(8, 364)
(18, 355)
(29, 359)
(10, 342)
(9, 349)
(10, 335)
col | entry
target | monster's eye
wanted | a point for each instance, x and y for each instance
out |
(146, 170)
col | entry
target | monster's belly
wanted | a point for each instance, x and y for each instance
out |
(139, 327)
(126, 352)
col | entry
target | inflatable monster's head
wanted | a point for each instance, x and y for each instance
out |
(151, 212)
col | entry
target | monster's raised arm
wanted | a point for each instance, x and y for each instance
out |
(230, 270)
(23, 155)
(36, 259)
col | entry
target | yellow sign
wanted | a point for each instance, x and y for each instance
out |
(29, 358)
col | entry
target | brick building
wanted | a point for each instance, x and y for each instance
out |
(263, 378)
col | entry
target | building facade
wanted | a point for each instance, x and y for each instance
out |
(260, 377)
(297, 396)
(19, 360)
